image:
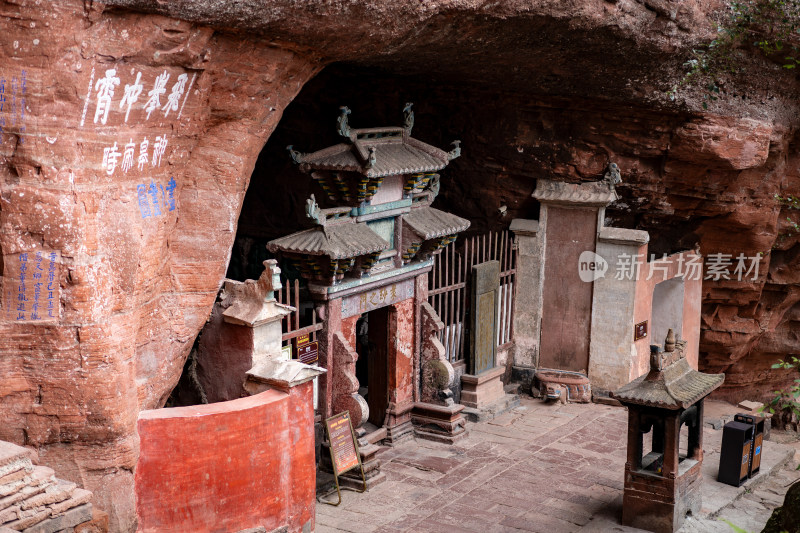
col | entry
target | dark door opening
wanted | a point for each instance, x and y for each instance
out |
(372, 371)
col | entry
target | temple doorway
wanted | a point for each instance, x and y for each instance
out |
(372, 371)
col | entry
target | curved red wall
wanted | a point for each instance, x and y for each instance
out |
(228, 466)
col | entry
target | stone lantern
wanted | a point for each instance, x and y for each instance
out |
(663, 484)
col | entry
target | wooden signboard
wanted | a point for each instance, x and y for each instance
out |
(344, 450)
(343, 443)
(308, 353)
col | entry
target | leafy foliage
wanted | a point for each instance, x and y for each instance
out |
(786, 402)
(771, 26)
(788, 202)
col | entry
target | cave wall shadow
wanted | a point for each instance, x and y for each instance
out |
(508, 140)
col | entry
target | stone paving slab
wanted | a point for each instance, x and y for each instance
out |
(541, 467)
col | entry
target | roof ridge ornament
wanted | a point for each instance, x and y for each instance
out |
(312, 209)
(343, 122)
(372, 159)
(455, 152)
(408, 117)
(612, 175)
(296, 156)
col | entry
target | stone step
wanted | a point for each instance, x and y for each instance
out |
(11, 453)
(26, 492)
(24, 523)
(13, 459)
(16, 475)
(79, 497)
(9, 514)
(12, 488)
(495, 409)
(65, 521)
(59, 492)
(42, 475)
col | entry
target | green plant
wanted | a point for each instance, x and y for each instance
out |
(790, 202)
(770, 26)
(786, 402)
(787, 202)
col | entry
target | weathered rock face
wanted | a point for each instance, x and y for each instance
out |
(143, 245)
(532, 89)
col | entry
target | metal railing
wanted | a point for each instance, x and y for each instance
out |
(448, 287)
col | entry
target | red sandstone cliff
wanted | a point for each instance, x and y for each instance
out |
(554, 88)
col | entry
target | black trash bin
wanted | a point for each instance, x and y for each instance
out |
(737, 448)
(758, 439)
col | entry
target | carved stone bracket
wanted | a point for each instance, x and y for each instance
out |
(437, 372)
(436, 416)
(345, 395)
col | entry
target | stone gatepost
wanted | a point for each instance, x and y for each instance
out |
(527, 300)
(254, 306)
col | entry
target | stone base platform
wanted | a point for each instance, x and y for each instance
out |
(484, 389)
(439, 423)
(505, 403)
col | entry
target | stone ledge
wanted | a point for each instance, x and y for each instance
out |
(623, 236)
(524, 227)
(483, 377)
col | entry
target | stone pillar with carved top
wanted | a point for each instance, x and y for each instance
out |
(254, 306)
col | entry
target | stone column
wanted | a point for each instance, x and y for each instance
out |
(401, 356)
(527, 299)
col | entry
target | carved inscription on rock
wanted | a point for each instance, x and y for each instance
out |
(31, 286)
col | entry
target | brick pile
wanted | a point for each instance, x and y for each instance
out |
(33, 500)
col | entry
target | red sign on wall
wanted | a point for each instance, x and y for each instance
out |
(308, 353)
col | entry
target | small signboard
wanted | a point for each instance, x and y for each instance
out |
(344, 450)
(640, 331)
(343, 443)
(286, 352)
(308, 353)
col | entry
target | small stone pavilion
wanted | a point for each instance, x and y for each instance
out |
(366, 261)
(662, 474)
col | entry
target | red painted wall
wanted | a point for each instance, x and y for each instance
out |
(228, 466)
